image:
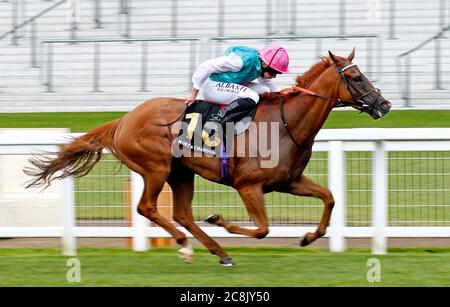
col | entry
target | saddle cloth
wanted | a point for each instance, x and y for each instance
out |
(192, 134)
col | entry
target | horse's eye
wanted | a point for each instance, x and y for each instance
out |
(357, 79)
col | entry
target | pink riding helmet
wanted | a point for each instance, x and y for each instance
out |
(275, 57)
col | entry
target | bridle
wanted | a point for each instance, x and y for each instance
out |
(357, 102)
(361, 104)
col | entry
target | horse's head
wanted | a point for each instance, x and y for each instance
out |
(357, 88)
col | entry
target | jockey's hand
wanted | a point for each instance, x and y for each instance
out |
(191, 98)
(288, 91)
(188, 101)
(297, 89)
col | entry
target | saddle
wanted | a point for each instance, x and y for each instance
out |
(197, 114)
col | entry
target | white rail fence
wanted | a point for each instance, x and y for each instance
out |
(402, 190)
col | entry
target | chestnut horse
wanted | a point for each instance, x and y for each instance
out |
(142, 140)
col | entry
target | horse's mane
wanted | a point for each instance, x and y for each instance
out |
(313, 73)
(305, 80)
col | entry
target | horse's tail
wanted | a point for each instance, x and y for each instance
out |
(75, 159)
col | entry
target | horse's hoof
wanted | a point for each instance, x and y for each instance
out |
(304, 241)
(212, 218)
(227, 262)
(186, 254)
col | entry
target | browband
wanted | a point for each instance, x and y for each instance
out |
(346, 67)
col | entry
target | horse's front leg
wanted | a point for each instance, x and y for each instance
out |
(304, 186)
(181, 181)
(253, 198)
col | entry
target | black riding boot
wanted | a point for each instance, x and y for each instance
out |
(239, 105)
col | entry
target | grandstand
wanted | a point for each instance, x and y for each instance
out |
(120, 53)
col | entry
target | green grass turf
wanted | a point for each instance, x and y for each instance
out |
(261, 266)
(81, 122)
(75, 121)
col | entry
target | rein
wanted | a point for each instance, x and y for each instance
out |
(285, 124)
(358, 102)
(178, 118)
(339, 102)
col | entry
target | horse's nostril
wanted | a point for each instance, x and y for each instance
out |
(386, 104)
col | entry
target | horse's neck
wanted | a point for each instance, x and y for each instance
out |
(307, 114)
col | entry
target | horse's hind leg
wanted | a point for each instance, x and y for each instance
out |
(182, 184)
(306, 187)
(145, 147)
(153, 184)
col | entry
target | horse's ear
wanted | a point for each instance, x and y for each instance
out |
(337, 60)
(352, 55)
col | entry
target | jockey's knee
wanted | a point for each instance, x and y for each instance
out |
(253, 96)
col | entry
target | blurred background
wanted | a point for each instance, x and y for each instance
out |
(110, 55)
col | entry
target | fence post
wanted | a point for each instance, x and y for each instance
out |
(336, 183)
(139, 223)
(68, 218)
(379, 199)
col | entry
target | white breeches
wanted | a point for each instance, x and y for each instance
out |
(224, 93)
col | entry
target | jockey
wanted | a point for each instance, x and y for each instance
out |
(229, 79)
